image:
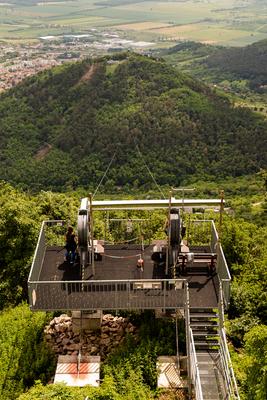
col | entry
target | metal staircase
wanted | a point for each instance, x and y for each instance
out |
(204, 324)
(209, 364)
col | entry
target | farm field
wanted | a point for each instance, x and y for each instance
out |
(233, 22)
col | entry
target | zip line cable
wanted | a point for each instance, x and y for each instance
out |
(147, 167)
(105, 173)
(123, 242)
(145, 164)
(143, 160)
(122, 257)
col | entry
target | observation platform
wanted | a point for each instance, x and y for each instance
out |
(118, 283)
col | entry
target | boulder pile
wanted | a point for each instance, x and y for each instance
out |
(62, 339)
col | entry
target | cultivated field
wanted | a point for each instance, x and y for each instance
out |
(227, 22)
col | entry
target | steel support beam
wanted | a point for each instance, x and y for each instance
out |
(105, 205)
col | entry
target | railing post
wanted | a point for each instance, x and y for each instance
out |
(116, 295)
(168, 238)
(67, 296)
(164, 296)
(177, 341)
(128, 290)
(221, 216)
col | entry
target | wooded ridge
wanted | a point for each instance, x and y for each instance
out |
(61, 128)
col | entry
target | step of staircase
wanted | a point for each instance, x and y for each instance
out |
(207, 330)
(209, 310)
(205, 335)
(212, 347)
(208, 372)
(203, 315)
(204, 325)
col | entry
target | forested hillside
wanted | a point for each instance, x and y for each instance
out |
(218, 64)
(248, 62)
(61, 128)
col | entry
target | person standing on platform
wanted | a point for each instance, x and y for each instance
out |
(70, 245)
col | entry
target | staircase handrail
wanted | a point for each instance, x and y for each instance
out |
(228, 367)
(195, 376)
(187, 327)
(221, 307)
(224, 352)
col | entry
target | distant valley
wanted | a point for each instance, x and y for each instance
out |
(233, 22)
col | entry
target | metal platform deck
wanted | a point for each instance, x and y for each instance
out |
(118, 263)
(117, 283)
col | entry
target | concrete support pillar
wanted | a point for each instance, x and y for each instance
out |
(86, 320)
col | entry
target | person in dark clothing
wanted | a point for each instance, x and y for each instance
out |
(70, 245)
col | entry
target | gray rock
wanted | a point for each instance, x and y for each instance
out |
(105, 341)
(74, 346)
(104, 336)
(105, 329)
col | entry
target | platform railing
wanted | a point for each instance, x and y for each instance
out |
(107, 295)
(222, 266)
(37, 262)
(214, 237)
(199, 232)
(224, 275)
(39, 255)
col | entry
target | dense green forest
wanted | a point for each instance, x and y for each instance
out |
(247, 63)
(60, 129)
(130, 372)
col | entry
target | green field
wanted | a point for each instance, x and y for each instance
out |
(231, 22)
